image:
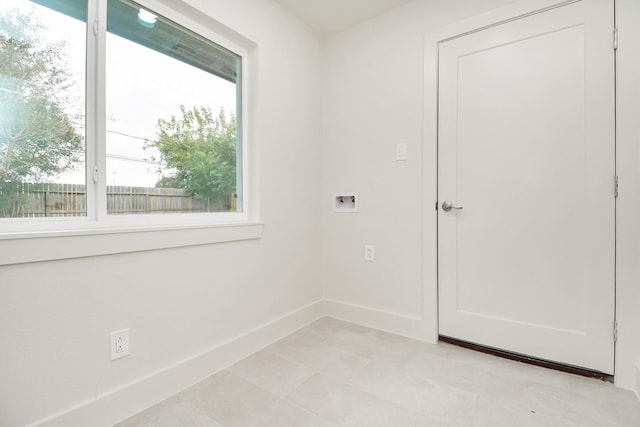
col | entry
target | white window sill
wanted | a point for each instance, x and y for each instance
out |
(22, 248)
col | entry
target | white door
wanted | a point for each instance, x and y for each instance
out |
(526, 147)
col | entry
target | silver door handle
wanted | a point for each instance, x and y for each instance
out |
(447, 206)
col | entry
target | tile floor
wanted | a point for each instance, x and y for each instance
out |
(334, 373)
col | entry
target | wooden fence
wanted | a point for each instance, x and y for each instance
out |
(21, 200)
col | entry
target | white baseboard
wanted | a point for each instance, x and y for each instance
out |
(411, 327)
(637, 390)
(118, 404)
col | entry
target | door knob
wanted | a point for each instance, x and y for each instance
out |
(447, 206)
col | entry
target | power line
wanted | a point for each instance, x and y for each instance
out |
(127, 158)
(135, 159)
(116, 132)
(127, 135)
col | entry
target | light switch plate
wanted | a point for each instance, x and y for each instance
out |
(401, 152)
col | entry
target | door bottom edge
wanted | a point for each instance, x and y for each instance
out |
(556, 366)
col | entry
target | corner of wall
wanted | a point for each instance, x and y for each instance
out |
(123, 402)
(637, 390)
(395, 323)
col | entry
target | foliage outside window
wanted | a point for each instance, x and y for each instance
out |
(171, 116)
(41, 112)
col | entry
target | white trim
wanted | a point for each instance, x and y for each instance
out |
(430, 135)
(127, 400)
(95, 57)
(637, 390)
(497, 16)
(118, 404)
(34, 247)
(399, 324)
(95, 91)
(96, 189)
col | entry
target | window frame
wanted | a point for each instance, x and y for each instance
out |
(97, 221)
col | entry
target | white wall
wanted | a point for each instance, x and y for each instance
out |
(55, 317)
(180, 304)
(373, 91)
(628, 239)
(373, 99)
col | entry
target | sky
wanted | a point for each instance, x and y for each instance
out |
(142, 87)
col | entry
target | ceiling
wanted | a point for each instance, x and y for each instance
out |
(328, 17)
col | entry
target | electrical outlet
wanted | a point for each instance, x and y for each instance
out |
(368, 253)
(119, 344)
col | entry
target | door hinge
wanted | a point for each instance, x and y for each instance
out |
(95, 27)
(615, 38)
(615, 187)
(436, 205)
(615, 331)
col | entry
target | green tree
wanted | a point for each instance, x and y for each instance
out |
(199, 151)
(37, 138)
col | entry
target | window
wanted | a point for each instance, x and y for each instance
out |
(138, 122)
(42, 118)
(171, 104)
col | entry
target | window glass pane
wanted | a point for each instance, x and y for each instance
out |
(172, 117)
(42, 114)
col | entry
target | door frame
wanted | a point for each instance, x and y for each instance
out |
(432, 41)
